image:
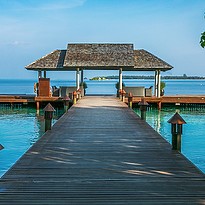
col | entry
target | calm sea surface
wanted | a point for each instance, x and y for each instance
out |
(21, 127)
(173, 87)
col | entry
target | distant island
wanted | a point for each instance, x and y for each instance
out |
(151, 77)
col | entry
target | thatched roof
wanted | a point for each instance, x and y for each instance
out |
(51, 61)
(99, 57)
(146, 61)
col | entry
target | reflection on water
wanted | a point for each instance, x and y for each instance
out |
(193, 140)
(20, 128)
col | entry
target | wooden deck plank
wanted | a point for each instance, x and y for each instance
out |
(100, 152)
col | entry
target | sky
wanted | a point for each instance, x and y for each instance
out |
(169, 29)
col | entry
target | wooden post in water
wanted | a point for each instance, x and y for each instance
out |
(159, 105)
(48, 116)
(130, 98)
(176, 129)
(37, 105)
(66, 100)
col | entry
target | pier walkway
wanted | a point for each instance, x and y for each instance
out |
(100, 152)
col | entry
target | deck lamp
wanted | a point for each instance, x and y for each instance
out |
(1, 147)
(176, 129)
(143, 108)
(66, 101)
(48, 115)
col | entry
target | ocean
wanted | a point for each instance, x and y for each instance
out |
(173, 87)
(21, 127)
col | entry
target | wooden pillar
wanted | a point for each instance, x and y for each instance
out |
(78, 79)
(159, 105)
(82, 84)
(120, 79)
(37, 105)
(39, 74)
(158, 84)
(44, 74)
(155, 83)
(82, 77)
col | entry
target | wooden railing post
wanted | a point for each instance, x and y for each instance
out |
(123, 95)
(130, 98)
(74, 97)
(120, 94)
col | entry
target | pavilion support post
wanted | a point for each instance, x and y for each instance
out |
(82, 77)
(44, 74)
(78, 79)
(158, 84)
(120, 80)
(82, 84)
(39, 74)
(155, 83)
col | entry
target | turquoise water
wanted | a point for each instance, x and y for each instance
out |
(193, 138)
(21, 127)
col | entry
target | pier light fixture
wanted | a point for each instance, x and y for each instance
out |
(176, 129)
(143, 108)
(48, 115)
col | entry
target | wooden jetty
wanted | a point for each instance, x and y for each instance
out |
(28, 99)
(172, 100)
(101, 152)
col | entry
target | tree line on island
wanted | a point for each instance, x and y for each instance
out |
(150, 77)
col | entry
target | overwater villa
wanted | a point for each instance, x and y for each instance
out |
(80, 57)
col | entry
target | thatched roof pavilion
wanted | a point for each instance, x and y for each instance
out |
(99, 57)
(120, 57)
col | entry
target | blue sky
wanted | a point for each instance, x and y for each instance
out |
(169, 29)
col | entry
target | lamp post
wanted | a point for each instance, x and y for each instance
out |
(48, 115)
(143, 108)
(176, 129)
(66, 100)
